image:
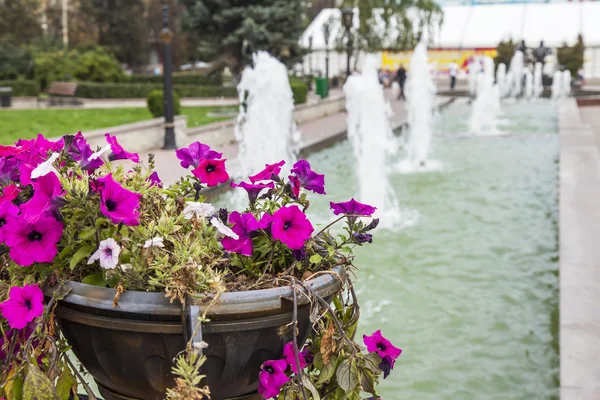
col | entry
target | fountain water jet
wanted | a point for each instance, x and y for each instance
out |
(487, 103)
(501, 79)
(529, 89)
(538, 87)
(472, 78)
(516, 67)
(566, 88)
(372, 139)
(265, 127)
(557, 82)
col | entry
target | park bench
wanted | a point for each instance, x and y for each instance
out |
(61, 93)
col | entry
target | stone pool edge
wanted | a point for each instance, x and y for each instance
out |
(579, 265)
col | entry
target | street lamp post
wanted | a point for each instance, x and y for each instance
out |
(310, 43)
(326, 33)
(166, 36)
(348, 16)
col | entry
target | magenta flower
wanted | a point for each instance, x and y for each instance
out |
(352, 207)
(23, 306)
(291, 227)
(211, 172)
(376, 343)
(253, 189)
(308, 178)
(265, 221)
(290, 358)
(295, 185)
(10, 193)
(46, 189)
(36, 150)
(118, 152)
(7, 211)
(195, 153)
(271, 378)
(118, 203)
(25, 171)
(32, 242)
(243, 224)
(10, 151)
(9, 170)
(80, 151)
(155, 180)
(267, 173)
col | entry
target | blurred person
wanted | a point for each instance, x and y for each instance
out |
(453, 68)
(401, 78)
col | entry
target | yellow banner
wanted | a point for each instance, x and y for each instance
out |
(392, 61)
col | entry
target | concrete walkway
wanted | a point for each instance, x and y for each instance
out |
(579, 252)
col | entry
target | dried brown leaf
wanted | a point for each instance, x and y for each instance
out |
(328, 344)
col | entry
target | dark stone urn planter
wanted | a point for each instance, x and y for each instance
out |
(129, 349)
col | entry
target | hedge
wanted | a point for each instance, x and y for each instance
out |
(22, 87)
(300, 91)
(91, 90)
(189, 79)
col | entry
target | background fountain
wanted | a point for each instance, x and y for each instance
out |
(566, 87)
(487, 103)
(372, 139)
(529, 89)
(557, 82)
(501, 79)
(472, 77)
(538, 87)
(516, 68)
(265, 127)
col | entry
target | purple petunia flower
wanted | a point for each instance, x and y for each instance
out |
(352, 207)
(253, 189)
(291, 227)
(386, 366)
(195, 153)
(46, 188)
(267, 173)
(155, 180)
(299, 255)
(32, 242)
(7, 211)
(9, 170)
(290, 358)
(376, 343)
(243, 224)
(80, 151)
(271, 378)
(362, 238)
(308, 178)
(295, 185)
(118, 152)
(211, 172)
(23, 306)
(118, 203)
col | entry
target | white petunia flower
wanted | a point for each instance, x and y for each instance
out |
(107, 254)
(154, 242)
(224, 229)
(99, 153)
(46, 167)
(199, 210)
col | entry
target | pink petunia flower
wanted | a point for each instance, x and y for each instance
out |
(46, 189)
(23, 306)
(7, 211)
(308, 178)
(10, 192)
(35, 151)
(154, 180)
(376, 343)
(291, 227)
(32, 242)
(253, 189)
(118, 152)
(243, 225)
(211, 172)
(267, 173)
(352, 207)
(118, 203)
(290, 358)
(196, 152)
(271, 378)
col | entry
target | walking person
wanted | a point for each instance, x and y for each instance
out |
(401, 77)
(453, 72)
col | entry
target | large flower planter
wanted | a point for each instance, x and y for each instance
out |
(129, 349)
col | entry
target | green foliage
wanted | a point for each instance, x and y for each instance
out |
(20, 21)
(22, 87)
(572, 57)
(156, 104)
(223, 27)
(91, 90)
(97, 65)
(181, 79)
(505, 52)
(300, 91)
(54, 66)
(15, 62)
(37, 386)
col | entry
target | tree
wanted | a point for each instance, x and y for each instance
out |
(19, 21)
(230, 30)
(505, 52)
(572, 58)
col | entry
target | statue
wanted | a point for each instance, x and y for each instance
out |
(540, 53)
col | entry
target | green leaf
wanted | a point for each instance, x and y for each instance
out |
(94, 280)
(87, 233)
(14, 389)
(328, 371)
(318, 361)
(65, 384)
(372, 363)
(367, 381)
(37, 386)
(82, 253)
(338, 303)
(315, 259)
(311, 387)
(347, 375)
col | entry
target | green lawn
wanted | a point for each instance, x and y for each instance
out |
(25, 124)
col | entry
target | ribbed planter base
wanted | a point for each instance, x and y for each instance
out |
(109, 395)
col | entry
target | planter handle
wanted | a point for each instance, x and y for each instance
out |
(192, 325)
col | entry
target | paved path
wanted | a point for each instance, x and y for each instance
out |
(579, 252)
